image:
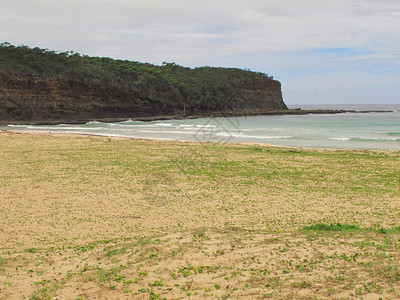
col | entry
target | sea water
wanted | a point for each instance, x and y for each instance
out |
(375, 130)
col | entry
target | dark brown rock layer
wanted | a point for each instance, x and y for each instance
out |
(38, 99)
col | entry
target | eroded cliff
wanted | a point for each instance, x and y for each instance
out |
(37, 85)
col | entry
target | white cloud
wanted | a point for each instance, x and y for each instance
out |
(342, 88)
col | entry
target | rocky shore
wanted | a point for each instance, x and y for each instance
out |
(180, 116)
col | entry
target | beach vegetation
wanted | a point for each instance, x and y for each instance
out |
(239, 221)
(330, 227)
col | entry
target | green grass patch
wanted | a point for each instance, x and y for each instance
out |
(31, 250)
(347, 227)
(330, 227)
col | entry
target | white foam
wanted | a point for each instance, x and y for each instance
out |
(17, 126)
(59, 128)
(168, 131)
(206, 126)
(164, 124)
(227, 134)
(366, 139)
(114, 135)
(376, 139)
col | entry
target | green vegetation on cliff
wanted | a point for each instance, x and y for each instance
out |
(120, 84)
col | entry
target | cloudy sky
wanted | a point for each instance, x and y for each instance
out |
(322, 51)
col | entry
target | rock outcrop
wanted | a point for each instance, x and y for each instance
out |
(39, 100)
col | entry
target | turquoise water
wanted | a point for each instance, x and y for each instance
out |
(379, 131)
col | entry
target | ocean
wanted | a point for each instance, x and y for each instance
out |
(379, 131)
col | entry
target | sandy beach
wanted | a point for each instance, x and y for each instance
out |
(85, 217)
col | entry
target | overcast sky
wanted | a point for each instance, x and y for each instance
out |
(322, 51)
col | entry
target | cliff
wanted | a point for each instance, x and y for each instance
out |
(37, 85)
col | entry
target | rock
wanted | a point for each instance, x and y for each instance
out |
(38, 100)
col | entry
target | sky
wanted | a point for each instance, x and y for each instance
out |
(322, 51)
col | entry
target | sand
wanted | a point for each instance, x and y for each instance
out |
(112, 218)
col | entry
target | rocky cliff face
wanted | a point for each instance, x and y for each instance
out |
(263, 95)
(38, 99)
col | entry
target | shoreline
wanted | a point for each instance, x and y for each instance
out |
(51, 121)
(162, 140)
